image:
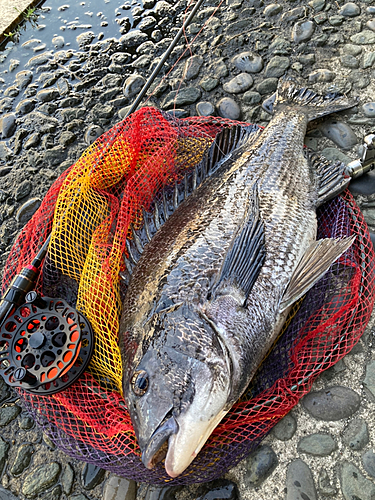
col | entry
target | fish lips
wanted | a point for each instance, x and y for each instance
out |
(155, 449)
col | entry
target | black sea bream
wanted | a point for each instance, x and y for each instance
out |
(212, 287)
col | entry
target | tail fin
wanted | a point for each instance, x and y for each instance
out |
(308, 102)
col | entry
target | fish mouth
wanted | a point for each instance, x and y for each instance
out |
(157, 446)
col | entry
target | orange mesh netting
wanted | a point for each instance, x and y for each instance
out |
(92, 206)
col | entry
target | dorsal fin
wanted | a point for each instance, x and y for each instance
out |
(171, 197)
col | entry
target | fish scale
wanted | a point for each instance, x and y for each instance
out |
(213, 286)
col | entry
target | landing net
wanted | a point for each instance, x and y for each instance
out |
(91, 207)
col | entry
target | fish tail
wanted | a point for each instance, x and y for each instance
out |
(311, 104)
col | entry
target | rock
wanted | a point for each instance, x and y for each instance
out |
(63, 87)
(293, 14)
(23, 78)
(39, 60)
(3, 172)
(317, 5)
(238, 84)
(133, 84)
(9, 413)
(209, 83)
(267, 86)
(92, 133)
(5, 152)
(280, 46)
(188, 95)
(353, 50)
(218, 69)
(260, 464)
(369, 381)
(8, 123)
(54, 494)
(38, 122)
(147, 23)
(349, 61)
(248, 61)
(285, 428)
(27, 210)
(340, 133)
(324, 484)
(220, 489)
(101, 111)
(321, 75)
(302, 31)
(67, 479)
(4, 449)
(133, 38)
(365, 37)
(356, 434)
(364, 185)
(143, 61)
(299, 482)
(307, 59)
(336, 20)
(6, 104)
(22, 459)
(368, 60)
(320, 18)
(205, 108)
(371, 24)
(40, 479)
(334, 403)
(192, 67)
(277, 67)
(58, 42)
(25, 106)
(272, 9)
(67, 138)
(48, 95)
(368, 461)
(251, 97)
(22, 190)
(92, 475)
(120, 58)
(350, 9)
(119, 488)
(354, 485)
(25, 422)
(228, 108)
(318, 445)
(369, 109)
(359, 79)
(84, 39)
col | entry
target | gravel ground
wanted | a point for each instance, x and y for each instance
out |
(56, 103)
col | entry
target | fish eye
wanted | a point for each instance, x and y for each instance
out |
(139, 382)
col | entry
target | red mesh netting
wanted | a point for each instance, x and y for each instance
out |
(91, 206)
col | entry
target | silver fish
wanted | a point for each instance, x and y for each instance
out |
(210, 290)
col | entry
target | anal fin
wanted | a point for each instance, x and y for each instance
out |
(314, 264)
(246, 253)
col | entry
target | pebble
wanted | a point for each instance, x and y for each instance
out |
(25, 106)
(368, 461)
(218, 69)
(324, 484)
(364, 185)
(47, 95)
(277, 67)
(359, 80)
(8, 123)
(92, 133)
(147, 23)
(192, 67)
(248, 61)
(285, 428)
(321, 75)
(280, 47)
(340, 133)
(22, 190)
(369, 109)
(6, 104)
(92, 475)
(4, 450)
(368, 60)
(336, 20)
(205, 108)
(133, 85)
(353, 50)
(369, 380)
(40, 479)
(13, 64)
(365, 37)
(334, 403)
(67, 137)
(133, 38)
(354, 485)
(220, 489)
(318, 445)
(39, 59)
(188, 95)
(67, 479)
(58, 42)
(5, 152)
(371, 24)
(238, 84)
(119, 488)
(209, 83)
(350, 9)
(22, 459)
(267, 86)
(260, 464)
(317, 5)
(302, 31)
(293, 14)
(349, 61)
(272, 9)
(299, 482)
(23, 78)
(228, 108)
(251, 97)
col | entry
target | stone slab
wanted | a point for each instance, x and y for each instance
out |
(11, 14)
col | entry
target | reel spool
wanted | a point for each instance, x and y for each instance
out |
(45, 345)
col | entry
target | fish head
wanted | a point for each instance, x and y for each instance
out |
(178, 388)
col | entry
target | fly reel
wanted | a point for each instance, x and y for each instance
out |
(45, 345)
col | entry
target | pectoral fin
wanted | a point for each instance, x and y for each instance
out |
(314, 264)
(246, 253)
